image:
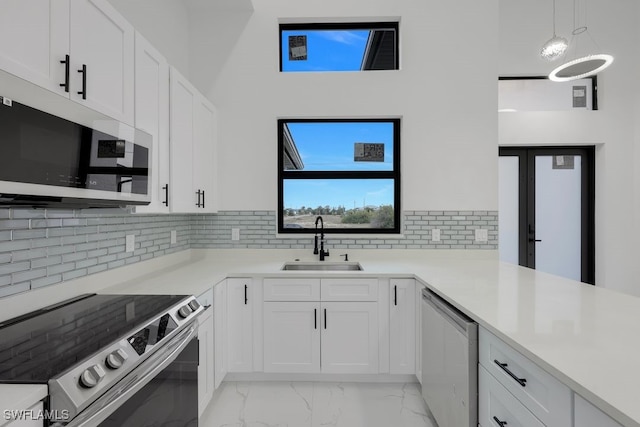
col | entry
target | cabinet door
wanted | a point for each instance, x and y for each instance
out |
(292, 337)
(418, 327)
(183, 197)
(402, 318)
(349, 340)
(34, 38)
(220, 329)
(239, 327)
(103, 41)
(152, 116)
(204, 152)
(587, 415)
(205, 367)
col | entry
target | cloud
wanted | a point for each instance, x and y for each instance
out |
(344, 37)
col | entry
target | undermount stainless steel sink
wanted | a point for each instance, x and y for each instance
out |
(322, 266)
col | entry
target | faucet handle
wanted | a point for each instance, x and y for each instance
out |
(346, 256)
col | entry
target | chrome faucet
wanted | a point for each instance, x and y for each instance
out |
(315, 244)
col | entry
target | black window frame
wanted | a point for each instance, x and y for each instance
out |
(395, 25)
(360, 175)
(594, 85)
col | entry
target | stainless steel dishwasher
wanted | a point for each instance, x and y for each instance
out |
(449, 363)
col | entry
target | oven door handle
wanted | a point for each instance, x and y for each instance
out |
(99, 410)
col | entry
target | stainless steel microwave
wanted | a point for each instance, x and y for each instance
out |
(48, 161)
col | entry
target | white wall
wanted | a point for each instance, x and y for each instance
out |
(524, 27)
(165, 23)
(446, 94)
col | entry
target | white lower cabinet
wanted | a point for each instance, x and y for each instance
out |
(220, 332)
(587, 415)
(546, 397)
(206, 357)
(498, 407)
(239, 325)
(304, 333)
(292, 337)
(313, 337)
(402, 327)
(349, 341)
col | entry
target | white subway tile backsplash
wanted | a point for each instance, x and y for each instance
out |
(44, 247)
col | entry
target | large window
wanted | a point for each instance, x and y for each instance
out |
(347, 171)
(339, 47)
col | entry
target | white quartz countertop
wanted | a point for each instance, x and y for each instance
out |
(586, 336)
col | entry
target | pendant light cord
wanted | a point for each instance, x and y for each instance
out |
(554, 18)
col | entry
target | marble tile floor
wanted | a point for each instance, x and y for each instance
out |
(317, 404)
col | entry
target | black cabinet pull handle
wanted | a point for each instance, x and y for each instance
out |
(166, 195)
(202, 199)
(500, 423)
(83, 92)
(395, 295)
(67, 65)
(325, 318)
(504, 367)
(315, 318)
(246, 299)
(198, 194)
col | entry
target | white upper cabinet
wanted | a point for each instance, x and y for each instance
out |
(101, 49)
(81, 49)
(152, 116)
(204, 152)
(34, 39)
(192, 142)
(183, 198)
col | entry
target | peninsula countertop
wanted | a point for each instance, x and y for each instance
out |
(583, 335)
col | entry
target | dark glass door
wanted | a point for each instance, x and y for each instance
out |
(547, 198)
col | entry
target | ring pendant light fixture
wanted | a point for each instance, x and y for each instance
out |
(581, 66)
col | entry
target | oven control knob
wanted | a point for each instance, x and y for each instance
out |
(115, 359)
(194, 305)
(184, 311)
(92, 376)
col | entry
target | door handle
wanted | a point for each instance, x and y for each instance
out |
(67, 65)
(500, 423)
(504, 367)
(166, 195)
(532, 239)
(395, 295)
(83, 92)
(325, 318)
(315, 318)
(246, 298)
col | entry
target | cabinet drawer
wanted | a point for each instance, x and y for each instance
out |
(496, 405)
(349, 289)
(541, 393)
(291, 289)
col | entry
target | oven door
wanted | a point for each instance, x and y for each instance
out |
(162, 390)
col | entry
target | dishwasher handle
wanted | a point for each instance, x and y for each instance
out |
(458, 319)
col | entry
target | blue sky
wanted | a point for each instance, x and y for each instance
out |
(327, 50)
(330, 146)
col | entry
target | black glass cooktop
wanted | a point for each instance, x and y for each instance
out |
(38, 346)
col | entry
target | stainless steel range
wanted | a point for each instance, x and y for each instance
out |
(109, 360)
